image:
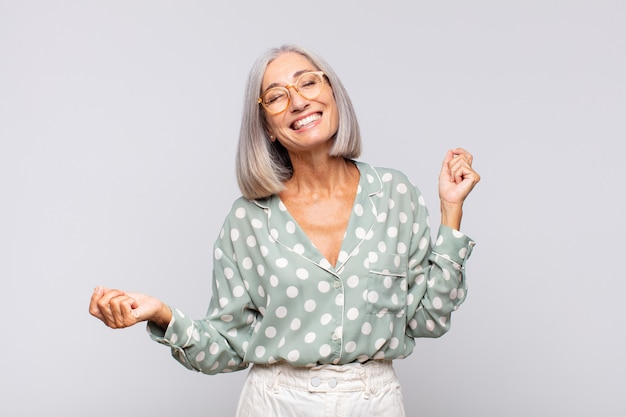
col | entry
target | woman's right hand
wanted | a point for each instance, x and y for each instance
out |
(118, 309)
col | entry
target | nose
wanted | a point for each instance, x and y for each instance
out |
(296, 101)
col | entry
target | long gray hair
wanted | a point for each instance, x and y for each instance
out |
(262, 166)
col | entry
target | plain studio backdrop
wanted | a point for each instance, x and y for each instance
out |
(118, 128)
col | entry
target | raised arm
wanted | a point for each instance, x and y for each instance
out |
(456, 180)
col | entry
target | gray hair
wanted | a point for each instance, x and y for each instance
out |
(262, 166)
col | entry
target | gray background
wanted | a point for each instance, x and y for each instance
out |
(118, 124)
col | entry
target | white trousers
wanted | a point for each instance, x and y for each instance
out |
(352, 390)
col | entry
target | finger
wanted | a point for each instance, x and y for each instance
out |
(104, 306)
(94, 308)
(122, 311)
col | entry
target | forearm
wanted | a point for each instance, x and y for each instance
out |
(451, 215)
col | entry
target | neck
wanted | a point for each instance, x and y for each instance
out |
(320, 176)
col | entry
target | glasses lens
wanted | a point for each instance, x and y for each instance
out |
(275, 99)
(310, 85)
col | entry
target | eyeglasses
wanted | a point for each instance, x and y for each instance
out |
(276, 99)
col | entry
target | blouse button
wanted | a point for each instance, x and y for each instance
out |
(337, 284)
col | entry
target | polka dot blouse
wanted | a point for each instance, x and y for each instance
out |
(275, 298)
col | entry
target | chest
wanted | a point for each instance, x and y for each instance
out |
(324, 222)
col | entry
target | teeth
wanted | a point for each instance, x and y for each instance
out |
(303, 122)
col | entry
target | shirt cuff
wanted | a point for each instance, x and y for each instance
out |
(176, 328)
(453, 245)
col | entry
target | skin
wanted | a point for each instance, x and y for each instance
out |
(319, 196)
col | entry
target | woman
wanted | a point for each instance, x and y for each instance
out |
(324, 271)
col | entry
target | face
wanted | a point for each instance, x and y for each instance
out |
(306, 125)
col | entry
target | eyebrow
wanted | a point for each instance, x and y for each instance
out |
(295, 76)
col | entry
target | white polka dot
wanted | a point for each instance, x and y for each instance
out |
(214, 348)
(293, 356)
(246, 263)
(259, 351)
(463, 253)
(387, 282)
(251, 241)
(282, 206)
(394, 299)
(423, 243)
(234, 235)
(240, 213)
(217, 254)
(360, 233)
(372, 296)
(350, 347)
(256, 223)
(372, 257)
(309, 305)
(401, 248)
(394, 343)
(226, 318)
(453, 294)
(353, 313)
(387, 177)
(392, 231)
(281, 312)
(326, 318)
(298, 248)
(223, 302)
(290, 226)
(274, 281)
(401, 188)
(295, 324)
(366, 328)
(323, 287)
(353, 281)
(457, 234)
(421, 201)
(232, 332)
(379, 343)
(439, 241)
(430, 325)
(310, 337)
(281, 343)
(358, 210)
(238, 291)
(229, 273)
(264, 251)
(325, 264)
(302, 273)
(403, 217)
(281, 262)
(443, 320)
(270, 332)
(339, 300)
(292, 292)
(325, 350)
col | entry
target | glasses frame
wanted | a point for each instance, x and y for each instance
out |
(295, 87)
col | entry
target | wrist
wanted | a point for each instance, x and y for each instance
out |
(451, 214)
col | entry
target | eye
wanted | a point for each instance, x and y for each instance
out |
(273, 96)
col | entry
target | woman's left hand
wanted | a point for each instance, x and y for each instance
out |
(457, 177)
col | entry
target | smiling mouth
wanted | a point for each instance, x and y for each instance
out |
(298, 124)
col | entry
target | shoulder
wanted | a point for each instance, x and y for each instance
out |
(387, 178)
